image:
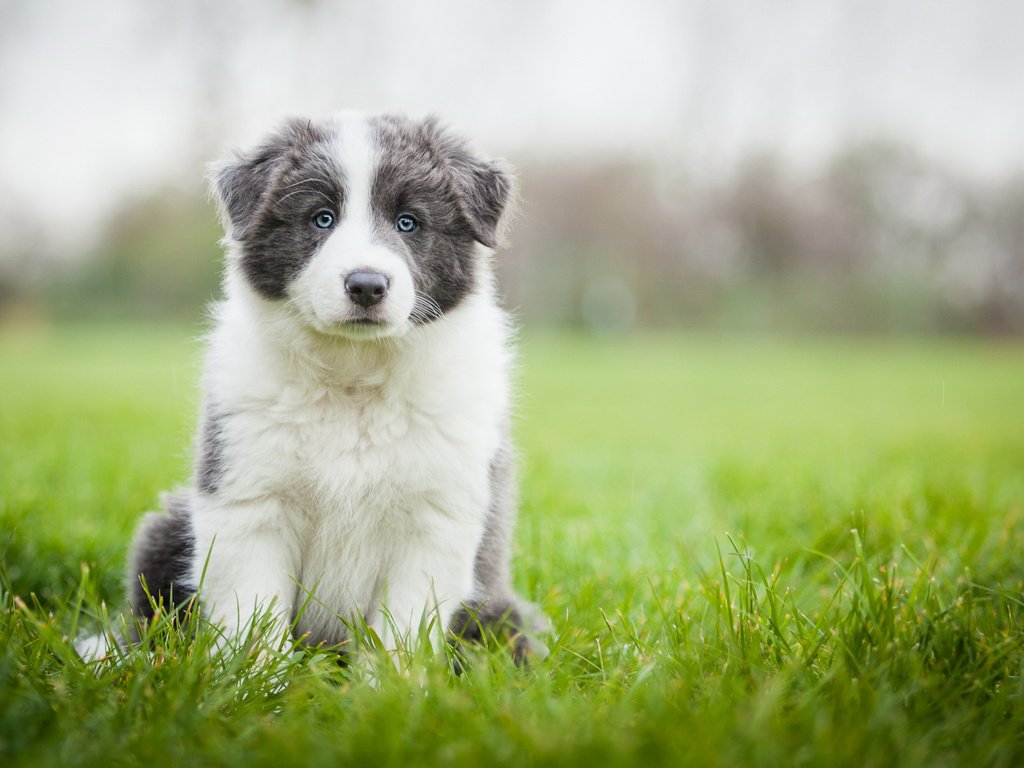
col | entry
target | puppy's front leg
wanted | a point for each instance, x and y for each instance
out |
(426, 583)
(246, 562)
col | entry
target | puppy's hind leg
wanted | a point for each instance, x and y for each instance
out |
(161, 559)
(496, 608)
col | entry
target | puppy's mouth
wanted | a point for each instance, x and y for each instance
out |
(363, 323)
(360, 327)
(353, 322)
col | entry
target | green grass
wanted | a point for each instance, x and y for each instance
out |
(754, 552)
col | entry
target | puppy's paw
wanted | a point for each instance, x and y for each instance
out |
(502, 619)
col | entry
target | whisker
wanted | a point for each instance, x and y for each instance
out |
(324, 195)
(425, 308)
(312, 179)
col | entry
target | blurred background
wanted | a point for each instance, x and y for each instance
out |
(806, 165)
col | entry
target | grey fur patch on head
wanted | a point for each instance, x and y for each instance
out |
(458, 199)
(484, 189)
(441, 163)
(269, 197)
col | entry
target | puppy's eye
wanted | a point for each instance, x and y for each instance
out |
(406, 223)
(323, 220)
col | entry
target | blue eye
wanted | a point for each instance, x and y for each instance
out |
(406, 223)
(323, 220)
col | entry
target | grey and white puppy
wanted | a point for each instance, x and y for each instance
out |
(353, 457)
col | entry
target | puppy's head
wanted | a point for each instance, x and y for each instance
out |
(365, 225)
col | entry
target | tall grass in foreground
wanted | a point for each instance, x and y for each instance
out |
(753, 552)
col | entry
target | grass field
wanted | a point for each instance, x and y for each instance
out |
(753, 552)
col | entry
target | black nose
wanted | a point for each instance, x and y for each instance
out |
(366, 288)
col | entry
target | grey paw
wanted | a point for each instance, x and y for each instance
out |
(502, 619)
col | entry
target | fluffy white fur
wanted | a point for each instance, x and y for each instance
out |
(384, 449)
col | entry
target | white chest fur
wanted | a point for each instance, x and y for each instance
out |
(354, 476)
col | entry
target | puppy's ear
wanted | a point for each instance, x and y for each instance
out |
(240, 183)
(485, 189)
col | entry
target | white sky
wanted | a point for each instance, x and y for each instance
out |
(108, 98)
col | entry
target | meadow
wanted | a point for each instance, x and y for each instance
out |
(753, 551)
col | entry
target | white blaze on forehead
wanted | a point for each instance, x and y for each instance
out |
(352, 245)
(358, 157)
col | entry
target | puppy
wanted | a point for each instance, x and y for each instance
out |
(353, 460)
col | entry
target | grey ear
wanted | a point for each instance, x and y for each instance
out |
(241, 182)
(485, 189)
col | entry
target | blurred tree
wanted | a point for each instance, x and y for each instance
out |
(159, 259)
